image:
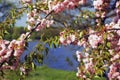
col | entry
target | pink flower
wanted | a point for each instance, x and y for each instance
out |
(26, 1)
(2, 49)
(42, 25)
(17, 46)
(117, 4)
(117, 26)
(94, 40)
(118, 42)
(114, 71)
(68, 41)
(8, 54)
(31, 20)
(72, 38)
(18, 52)
(49, 23)
(115, 75)
(29, 27)
(3, 45)
(81, 2)
(62, 39)
(59, 7)
(66, 2)
(97, 4)
(71, 5)
(79, 55)
(23, 70)
(115, 57)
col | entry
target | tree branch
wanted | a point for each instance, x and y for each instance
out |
(37, 25)
(100, 31)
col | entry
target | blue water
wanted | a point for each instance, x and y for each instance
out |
(58, 58)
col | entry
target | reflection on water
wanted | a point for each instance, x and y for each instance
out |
(59, 58)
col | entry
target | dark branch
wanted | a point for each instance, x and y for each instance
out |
(113, 29)
(37, 25)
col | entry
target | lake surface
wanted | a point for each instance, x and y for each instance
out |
(59, 58)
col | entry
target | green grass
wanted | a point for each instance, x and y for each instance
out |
(45, 73)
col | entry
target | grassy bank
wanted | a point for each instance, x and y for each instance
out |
(45, 73)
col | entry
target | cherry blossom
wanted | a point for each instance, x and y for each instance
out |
(94, 40)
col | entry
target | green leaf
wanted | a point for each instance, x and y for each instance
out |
(105, 36)
(1, 37)
(33, 65)
(6, 32)
(81, 34)
(108, 44)
(96, 78)
(100, 72)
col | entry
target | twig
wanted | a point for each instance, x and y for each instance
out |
(100, 31)
(37, 25)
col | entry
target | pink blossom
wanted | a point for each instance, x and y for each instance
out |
(17, 46)
(115, 57)
(59, 7)
(31, 20)
(117, 26)
(115, 75)
(117, 4)
(111, 52)
(118, 42)
(22, 37)
(62, 39)
(8, 54)
(18, 52)
(114, 71)
(29, 27)
(26, 1)
(42, 25)
(97, 4)
(82, 2)
(66, 2)
(72, 38)
(3, 46)
(2, 49)
(79, 55)
(94, 40)
(68, 41)
(71, 5)
(49, 23)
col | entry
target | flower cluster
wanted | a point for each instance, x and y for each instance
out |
(68, 39)
(101, 4)
(117, 12)
(114, 73)
(66, 4)
(23, 70)
(26, 2)
(4, 53)
(88, 64)
(94, 40)
(33, 19)
(44, 23)
(9, 49)
(14, 47)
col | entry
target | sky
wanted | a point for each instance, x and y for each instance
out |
(22, 21)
